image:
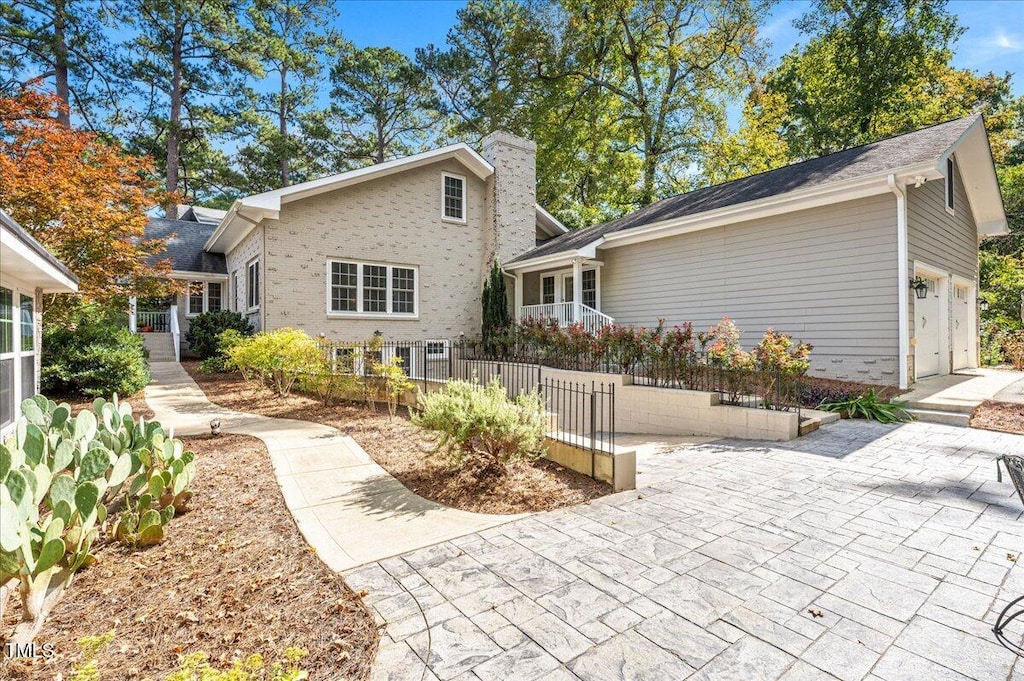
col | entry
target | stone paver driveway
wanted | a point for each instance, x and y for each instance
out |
(858, 552)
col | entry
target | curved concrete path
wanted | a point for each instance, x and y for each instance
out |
(348, 508)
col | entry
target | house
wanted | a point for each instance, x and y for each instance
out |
(27, 271)
(826, 250)
(400, 247)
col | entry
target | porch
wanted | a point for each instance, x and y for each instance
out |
(569, 294)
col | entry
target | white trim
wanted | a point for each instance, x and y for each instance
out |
(949, 182)
(252, 209)
(444, 202)
(902, 282)
(198, 276)
(49, 278)
(551, 225)
(18, 290)
(972, 320)
(189, 314)
(359, 313)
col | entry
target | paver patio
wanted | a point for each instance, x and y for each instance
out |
(859, 552)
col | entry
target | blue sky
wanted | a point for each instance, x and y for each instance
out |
(994, 40)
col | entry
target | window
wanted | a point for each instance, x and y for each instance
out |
(7, 396)
(344, 286)
(375, 288)
(28, 347)
(590, 288)
(404, 353)
(213, 296)
(950, 174)
(454, 197)
(252, 285)
(236, 292)
(356, 288)
(346, 361)
(437, 349)
(547, 285)
(195, 297)
(568, 288)
(403, 290)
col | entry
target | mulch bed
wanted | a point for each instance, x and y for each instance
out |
(406, 452)
(815, 389)
(1002, 416)
(234, 577)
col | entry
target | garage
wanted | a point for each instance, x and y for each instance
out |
(928, 330)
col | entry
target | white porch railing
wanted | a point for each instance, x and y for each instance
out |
(158, 322)
(565, 313)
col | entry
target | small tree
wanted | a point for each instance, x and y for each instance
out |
(495, 306)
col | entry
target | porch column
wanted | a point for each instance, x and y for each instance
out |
(133, 323)
(519, 296)
(577, 290)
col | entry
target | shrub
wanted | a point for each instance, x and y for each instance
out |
(93, 354)
(276, 358)
(204, 331)
(869, 406)
(1013, 349)
(391, 381)
(481, 427)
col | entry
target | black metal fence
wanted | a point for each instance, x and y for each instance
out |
(582, 414)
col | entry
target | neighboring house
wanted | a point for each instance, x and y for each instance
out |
(825, 250)
(27, 271)
(400, 247)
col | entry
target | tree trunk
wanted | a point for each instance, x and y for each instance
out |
(60, 63)
(174, 126)
(282, 123)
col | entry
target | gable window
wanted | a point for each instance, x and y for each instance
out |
(252, 285)
(950, 174)
(453, 197)
(374, 289)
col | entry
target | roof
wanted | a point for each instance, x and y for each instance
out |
(249, 210)
(200, 214)
(29, 260)
(869, 160)
(185, 247)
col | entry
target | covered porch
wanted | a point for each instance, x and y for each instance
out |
(568, 292)
(165, 321)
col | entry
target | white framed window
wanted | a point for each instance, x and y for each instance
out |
(453, 197)
(18, 357)
(252, 285)
(236, 294)
(590, 288)
(365, 289)
(204, 296)
(950, 186)
(547, 286)
(8, 396)
(436, 349)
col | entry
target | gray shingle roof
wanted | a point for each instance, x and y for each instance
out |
(185, 249)
(870, 159)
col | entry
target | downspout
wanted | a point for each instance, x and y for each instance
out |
(903, 278)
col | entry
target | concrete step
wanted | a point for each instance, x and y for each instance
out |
(948, 418)
(965, 407)
(160, 346)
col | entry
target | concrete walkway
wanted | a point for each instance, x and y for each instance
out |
(966, 389)
(347, 507)
(860, 552)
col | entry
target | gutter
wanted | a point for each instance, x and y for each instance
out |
(902, 277)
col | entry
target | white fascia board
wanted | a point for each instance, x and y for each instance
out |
(978, 174)
(40, 272)
(198, 276)
(550, 221)
(811, 197)
(545, 262)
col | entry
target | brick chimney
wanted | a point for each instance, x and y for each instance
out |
(511, 195)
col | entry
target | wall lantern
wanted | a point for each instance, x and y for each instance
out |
(984, 305)
(920, 287)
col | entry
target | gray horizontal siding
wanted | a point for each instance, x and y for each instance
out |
(825, 275)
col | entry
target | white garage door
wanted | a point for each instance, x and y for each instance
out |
(926, 331)
(961, 328)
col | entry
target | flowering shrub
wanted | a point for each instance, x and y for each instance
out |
(777, 352)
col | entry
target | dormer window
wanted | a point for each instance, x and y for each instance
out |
(950, 174)
(453, 197)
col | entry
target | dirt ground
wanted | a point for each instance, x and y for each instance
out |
(406, 451)
(1002, 416)
(233, 577)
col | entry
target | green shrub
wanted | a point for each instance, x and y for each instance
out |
(204, 331)
(869, 406)
(93, 354)
(481, 427)
(276, 358)
(391, 381)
